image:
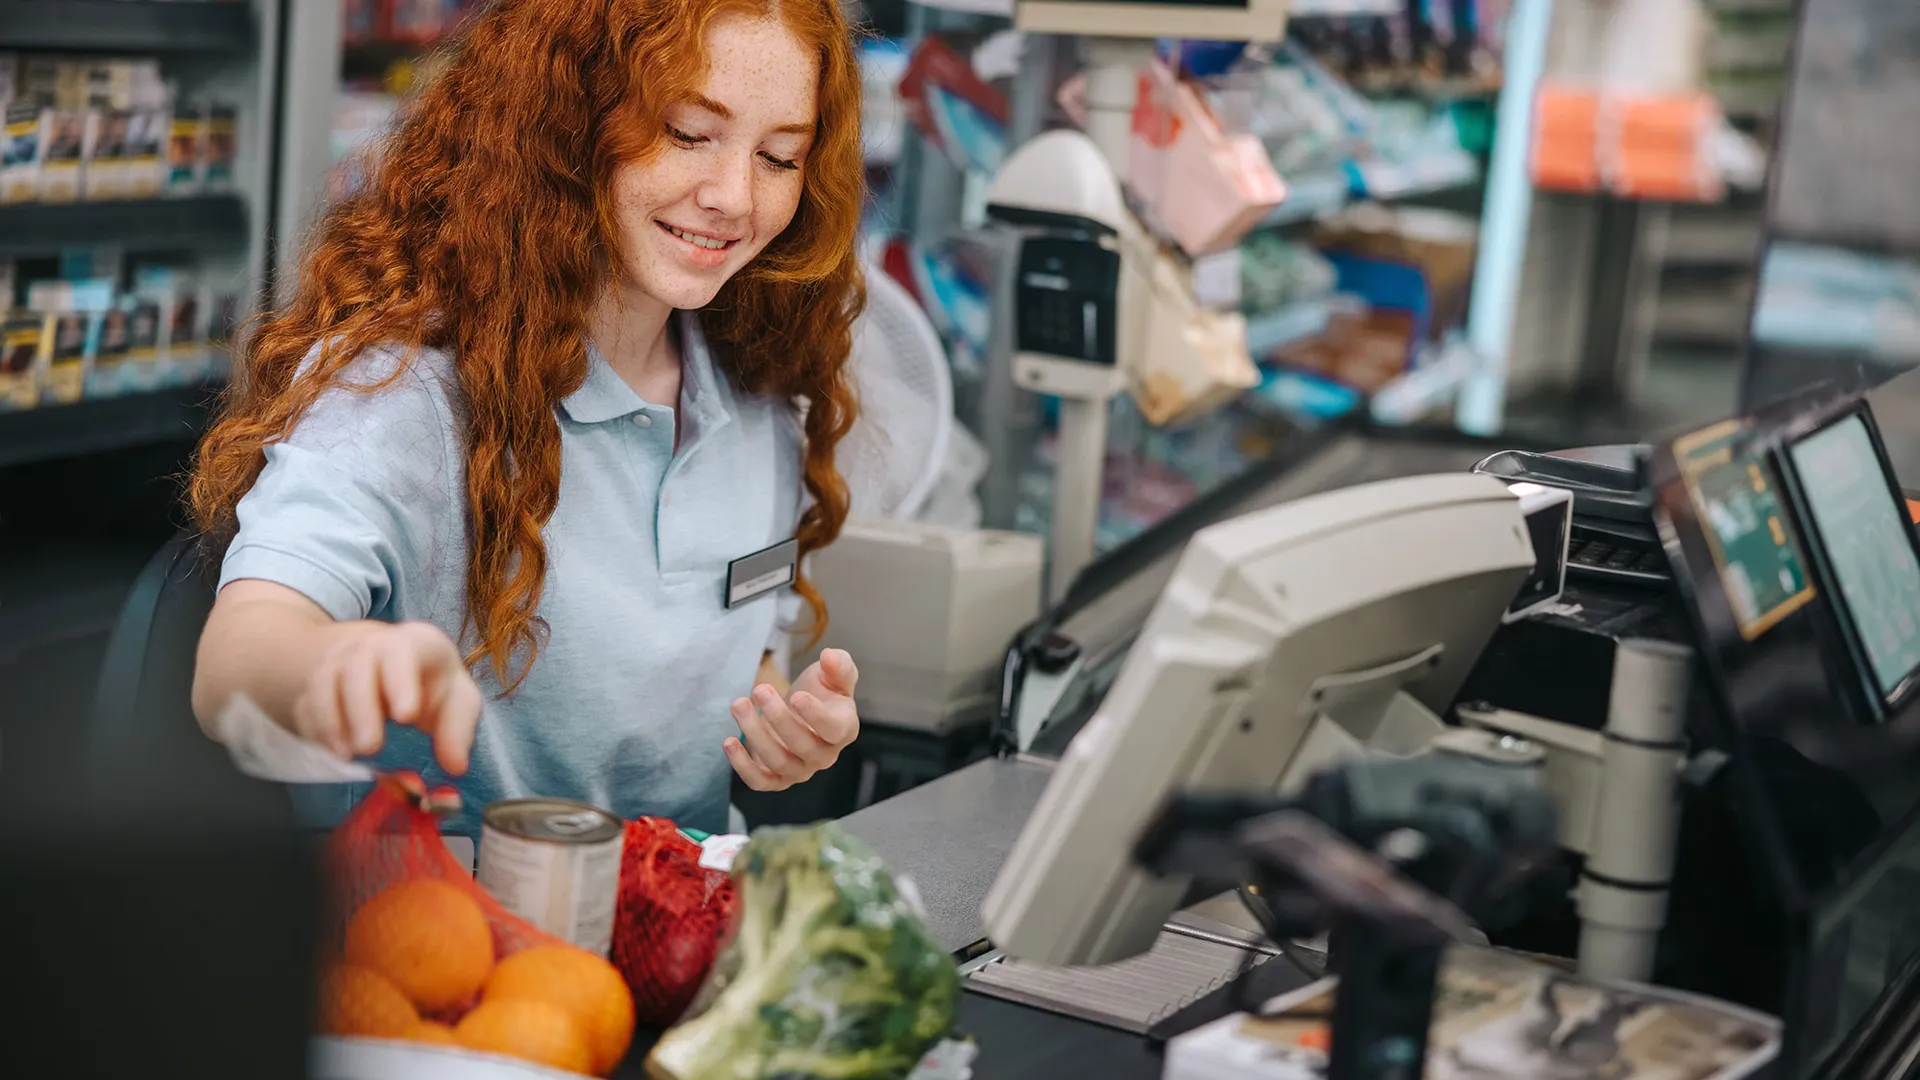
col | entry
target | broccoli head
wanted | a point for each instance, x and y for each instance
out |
(829, 974)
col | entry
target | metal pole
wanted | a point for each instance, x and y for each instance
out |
(1079, 466)
(1629, 870)
(1503, 235)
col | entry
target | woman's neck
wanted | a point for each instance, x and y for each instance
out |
(634, 333)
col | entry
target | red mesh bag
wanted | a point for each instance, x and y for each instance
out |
(392, 838)
(672, 918)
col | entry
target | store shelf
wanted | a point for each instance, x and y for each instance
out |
(153, 224)
(127, 25)
(91, 427)
(1313, 196)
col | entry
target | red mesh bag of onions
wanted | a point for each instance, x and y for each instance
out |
(673, 916)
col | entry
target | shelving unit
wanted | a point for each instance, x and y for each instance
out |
(97, 425)
(150, 224)
(147, 26)
(219, 50)
(90, 489)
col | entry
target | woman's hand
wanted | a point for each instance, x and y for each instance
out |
(785, 742)
(410, 673)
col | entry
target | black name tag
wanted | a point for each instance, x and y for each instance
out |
(752, 576)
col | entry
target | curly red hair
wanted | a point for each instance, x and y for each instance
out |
(485, 230)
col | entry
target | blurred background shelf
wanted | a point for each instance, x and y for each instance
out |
(109, 25)
(94, 426)
(44, 228)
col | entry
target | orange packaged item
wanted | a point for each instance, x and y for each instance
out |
(673, 916)
(416, 950)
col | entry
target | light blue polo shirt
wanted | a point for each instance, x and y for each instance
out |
(362, 509)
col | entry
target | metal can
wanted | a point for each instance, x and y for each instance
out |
(556, 864)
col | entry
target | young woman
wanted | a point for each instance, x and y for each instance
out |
(574, 355)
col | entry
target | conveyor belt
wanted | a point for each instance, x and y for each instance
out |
(1132, 995)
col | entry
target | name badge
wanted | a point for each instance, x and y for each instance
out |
(752, 576)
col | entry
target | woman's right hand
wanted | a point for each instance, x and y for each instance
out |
(411, 673)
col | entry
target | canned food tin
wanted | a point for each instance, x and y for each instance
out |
(556, 864)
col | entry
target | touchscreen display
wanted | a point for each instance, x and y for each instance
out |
(1866, 539)
(1752, 540)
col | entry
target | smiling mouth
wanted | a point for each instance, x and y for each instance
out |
(711, 243)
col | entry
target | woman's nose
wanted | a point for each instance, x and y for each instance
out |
(728, 189)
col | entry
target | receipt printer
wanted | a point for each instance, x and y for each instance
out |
(927, 612)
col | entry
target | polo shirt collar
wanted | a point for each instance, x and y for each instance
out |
(606, 396)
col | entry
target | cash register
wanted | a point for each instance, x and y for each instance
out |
(1793, 581)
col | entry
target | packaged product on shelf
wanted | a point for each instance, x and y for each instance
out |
(186, 150)
(110, 374)
(63, 137)
(182, 352)
(20, 154)
(40, 80)
(63, 344)
(147, 90)
(144, 170)
(109, 138)
(220, 150)
(140, 368)
(20, 334)
(110, 84)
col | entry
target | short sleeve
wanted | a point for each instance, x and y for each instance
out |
(353, 505)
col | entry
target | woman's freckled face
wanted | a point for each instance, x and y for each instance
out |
(727, 175)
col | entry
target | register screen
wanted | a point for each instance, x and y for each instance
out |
(1867, 543)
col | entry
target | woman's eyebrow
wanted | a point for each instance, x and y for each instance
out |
(702, 101)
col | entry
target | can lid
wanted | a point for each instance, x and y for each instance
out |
(556, 820)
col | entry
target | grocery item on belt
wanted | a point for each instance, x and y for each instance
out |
(675, 910)
(830, 972)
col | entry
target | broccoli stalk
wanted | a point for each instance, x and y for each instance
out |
(829, 974)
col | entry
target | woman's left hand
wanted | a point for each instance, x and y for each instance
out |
(785, 742)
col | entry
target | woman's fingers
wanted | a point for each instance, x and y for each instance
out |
(361, 707)
(751, 772)
(455, 723)
(765, 746)
(835, 721)
(814, 749)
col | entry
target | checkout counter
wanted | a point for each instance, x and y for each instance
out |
(953, 835)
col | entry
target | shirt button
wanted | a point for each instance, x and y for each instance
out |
(643, 419)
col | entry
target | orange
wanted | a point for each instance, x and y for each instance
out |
(578, 981)
(355, 1001)
(427, 937)
(430, 1032)
(535, 1031)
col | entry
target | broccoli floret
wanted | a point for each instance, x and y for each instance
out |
(829, 975)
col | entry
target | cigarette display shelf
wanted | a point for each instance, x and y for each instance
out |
(134, 225)
(128, 25)
(97, 425)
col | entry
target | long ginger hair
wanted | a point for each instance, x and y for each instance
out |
(486, 230)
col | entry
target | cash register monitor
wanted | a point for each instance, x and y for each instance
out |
(1285, 639)
(1838, 476)
(1826, 800)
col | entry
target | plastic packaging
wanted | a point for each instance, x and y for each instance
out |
(830, 971)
